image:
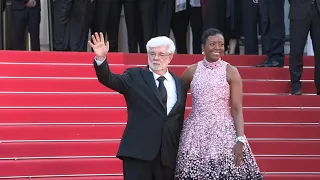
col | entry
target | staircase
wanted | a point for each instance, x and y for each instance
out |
(57, 122)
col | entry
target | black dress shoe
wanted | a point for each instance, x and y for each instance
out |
(270, 64)
(261, 65)
(296, 92)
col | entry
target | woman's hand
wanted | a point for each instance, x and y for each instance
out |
(238, 153)
(99, 47)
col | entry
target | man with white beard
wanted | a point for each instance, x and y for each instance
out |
(155, 100)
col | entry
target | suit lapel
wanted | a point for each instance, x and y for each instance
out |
(179, 92)
(148, 77)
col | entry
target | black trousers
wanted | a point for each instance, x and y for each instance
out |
(180, 24)
(100, 13)
(132, 13)
(135, 169)
(299, 30)
(165, 10)
(23, 19)
(250, 21)
(2, 8)
(273, 28)
(214, 16)
(140, 18)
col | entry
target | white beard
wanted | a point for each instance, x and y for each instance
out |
(155, 67)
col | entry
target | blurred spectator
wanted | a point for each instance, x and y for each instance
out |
(72, 20)
(3, 5)
(140, 16)
(250, 21)
(272, 32)
(25, 14)
(304, 18)
(233, 30)
(187, 12)
(165, 10)
(100, 12)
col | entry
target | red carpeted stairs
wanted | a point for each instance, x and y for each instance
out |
(58, 123)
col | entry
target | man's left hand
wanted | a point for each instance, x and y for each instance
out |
(237, 151)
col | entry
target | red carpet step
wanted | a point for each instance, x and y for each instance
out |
(119, 115)
(109, 131)
(92, 85)
(110, 148)
(22, 167)
(124, 58)
(117, 100)
(87, 70)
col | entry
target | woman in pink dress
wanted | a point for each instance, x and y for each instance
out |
(212, 143)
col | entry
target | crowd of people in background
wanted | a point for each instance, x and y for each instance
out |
(72, 20)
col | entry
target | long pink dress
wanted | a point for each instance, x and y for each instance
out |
(208, 135)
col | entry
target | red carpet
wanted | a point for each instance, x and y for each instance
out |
(59, 123)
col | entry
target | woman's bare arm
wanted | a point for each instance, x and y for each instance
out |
(187, 75)
(235, 82)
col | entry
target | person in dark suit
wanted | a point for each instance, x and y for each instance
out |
(100, 12)
(25, 14)
(214, 14)
(156, 100)
(272, 32)
(187, 12)
(304, 18)
(233, 29)
(72, 20)
(140, 17)
(218, 14)
(165, 11)
(3, 7)
(250, 21)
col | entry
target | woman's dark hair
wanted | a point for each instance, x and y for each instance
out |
(209, 32)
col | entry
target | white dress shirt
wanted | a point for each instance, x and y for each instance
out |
(169, 83)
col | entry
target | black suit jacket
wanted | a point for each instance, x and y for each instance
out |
(149, 129)
(21, 4)
(299, 9)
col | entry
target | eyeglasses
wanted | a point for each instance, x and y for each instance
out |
(161, 56)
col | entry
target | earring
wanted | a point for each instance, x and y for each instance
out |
(202, 53)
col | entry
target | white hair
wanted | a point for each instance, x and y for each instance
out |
(161, 41)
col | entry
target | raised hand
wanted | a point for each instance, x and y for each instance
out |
(99, 47)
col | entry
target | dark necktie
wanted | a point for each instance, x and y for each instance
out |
(162, 90)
